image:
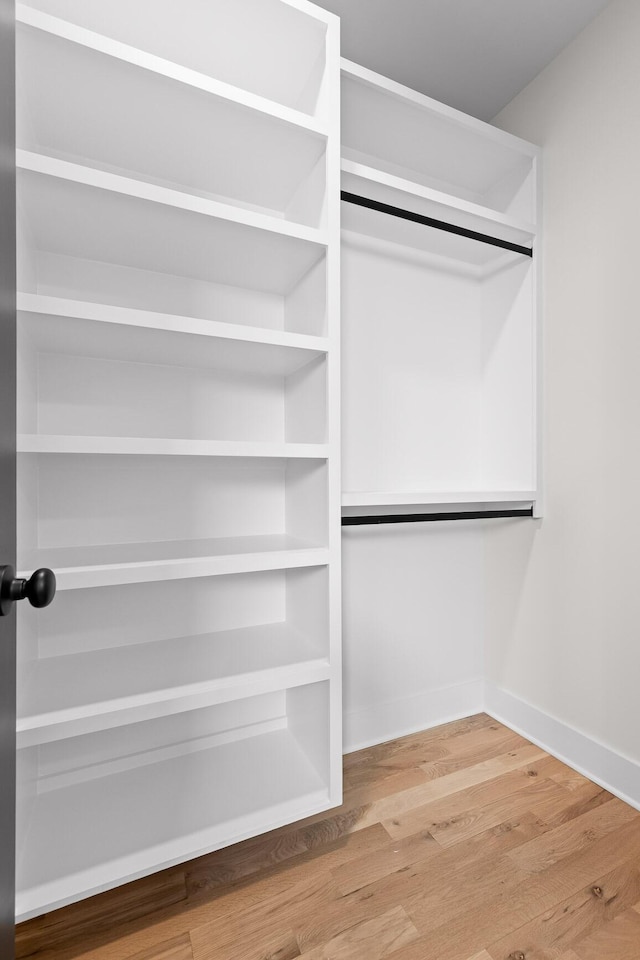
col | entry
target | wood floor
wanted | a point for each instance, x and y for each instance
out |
(462, 843)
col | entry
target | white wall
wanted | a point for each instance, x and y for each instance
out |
(563, 601)
(412, 616)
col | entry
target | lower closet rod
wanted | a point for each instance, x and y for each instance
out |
(429, 517)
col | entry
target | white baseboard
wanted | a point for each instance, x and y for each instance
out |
(397, 718)
(617, 774)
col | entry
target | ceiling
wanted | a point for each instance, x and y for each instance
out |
(475, 55)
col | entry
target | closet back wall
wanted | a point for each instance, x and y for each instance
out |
(412, 616)
(564, 605)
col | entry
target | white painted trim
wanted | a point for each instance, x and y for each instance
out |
(398, 718)
(618, 774)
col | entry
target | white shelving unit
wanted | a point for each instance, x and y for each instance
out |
(178, 419)
(440, 332)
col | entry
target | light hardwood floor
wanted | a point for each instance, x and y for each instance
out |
(461, 843)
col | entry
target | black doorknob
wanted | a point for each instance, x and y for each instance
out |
(39, 589)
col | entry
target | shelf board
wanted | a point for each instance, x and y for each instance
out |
(96, 43)
(161, 447)
(268, 781)
(104, 180)
(249, 150)
(381, 498)
(79, 328)
(445, 251)
(376, 184)
(111, 564)
(60, 308)
(82, 212)
(479, 128)
(83, 692)
(390, 126)
(269, 52)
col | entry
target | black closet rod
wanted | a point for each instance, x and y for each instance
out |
(430, 517)
(431, 222)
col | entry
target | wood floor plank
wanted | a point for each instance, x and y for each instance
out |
(542, 852)
(393, 856)
(315, 926)
(326, 838)
(570, 921)
(271, 922)
(396, 855)
(480, 794)
(372, 939)
(179, 948)
(400, 803)
(473, 748)
(443, 883)
(619, 940)
(437, 739)
(475, 820)
(558, 811)
(511, 908)
(459, 843)
(255, 943)
(132, 902)
(356, 803)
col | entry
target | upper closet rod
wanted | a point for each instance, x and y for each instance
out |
(426, 517)
(431, 222)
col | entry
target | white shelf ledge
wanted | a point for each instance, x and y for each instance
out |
(60, 308)
(471, 125)
(83, 329)
(209, 139)
(235, 790)
(78, 211)
(108, 565)
(381, 498)
(161, 447)
(80, 693)
(376, 184)
(388, 126)
(99, 44)
(441, 249)
(165, 196)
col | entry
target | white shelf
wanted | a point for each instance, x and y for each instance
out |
(161, 447)
(93, 177)
(96, 329)
(81, 212)
(222, 43)
(209, 138)
(80, 693)
(438, 327)
(179, 246)
(96, 43)
(112, 829)
(81, 329)
(448, 251)
(388, 126)
(379, 498)
(376, 184)
(106, 565)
